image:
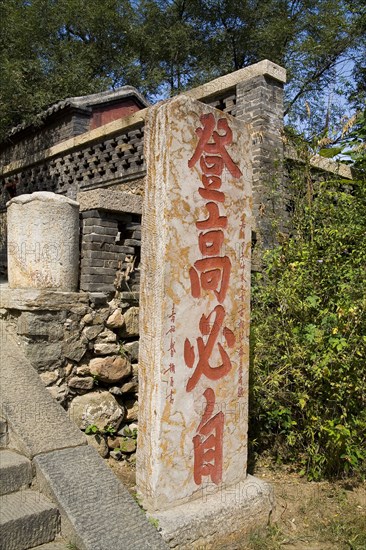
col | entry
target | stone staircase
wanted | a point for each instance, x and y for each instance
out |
(55, 484)
(27, 518)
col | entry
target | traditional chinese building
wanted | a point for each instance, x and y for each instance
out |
(97, 142)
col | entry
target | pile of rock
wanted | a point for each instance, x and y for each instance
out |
(86, 352)
(104, 383)
(109, 415)
(119, 444)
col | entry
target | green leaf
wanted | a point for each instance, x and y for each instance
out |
(331, 152)
(92, 429)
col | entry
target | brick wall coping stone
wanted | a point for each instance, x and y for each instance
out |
(215, 87)
(328, 165)
(226, 82)
(97, 511)
(321, 163)
(87, 138)
(106, 199)
(28, 299)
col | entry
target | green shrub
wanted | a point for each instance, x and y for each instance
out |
(308, 335)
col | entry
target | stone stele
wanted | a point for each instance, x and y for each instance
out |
(194, 312)
(43, 242)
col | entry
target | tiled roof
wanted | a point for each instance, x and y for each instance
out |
(84, 102)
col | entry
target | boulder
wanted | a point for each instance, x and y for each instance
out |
(77, 383)
(91, 332)
(129, 430)
(110, 369)
(116, 320)
(117, 455)
(68, 369)
(115, 390)
(131, 317)
(88, 319)
(106, 349)
(99, 443)
(98, 408)
(49, 377)
(74, 347)
(128, 446)
(132, 410)
(44, 355)
(132, 348)
(106, 336)
(130, 387)
(82, 370)
(114, 442)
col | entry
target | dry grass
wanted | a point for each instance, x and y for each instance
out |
(313, 516)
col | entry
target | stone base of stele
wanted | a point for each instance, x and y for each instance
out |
(219, 519)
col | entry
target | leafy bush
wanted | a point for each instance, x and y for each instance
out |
(308, 403)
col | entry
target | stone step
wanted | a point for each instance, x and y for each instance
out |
(27, 519)
(97, 512)
(15, 472)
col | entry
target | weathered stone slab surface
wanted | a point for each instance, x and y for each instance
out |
(43, 241)
(194, 310)
(30, 299)
(106, 199)
(15, 472)
(53, 546)
(36, 423)
(220, 520)
(97, 512)
(27, 519)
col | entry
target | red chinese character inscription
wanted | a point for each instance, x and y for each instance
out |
(213, 156)
(209, 191)
(208, 443)
(203, 366)
(214, 219)
(211, 274)
(210, 243)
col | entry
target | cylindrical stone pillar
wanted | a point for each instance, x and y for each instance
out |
(43, 242)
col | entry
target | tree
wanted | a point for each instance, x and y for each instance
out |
(165, 46)
(203, 39)
(79, 47)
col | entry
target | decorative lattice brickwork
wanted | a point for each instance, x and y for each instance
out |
(103, 163)
(113, 159)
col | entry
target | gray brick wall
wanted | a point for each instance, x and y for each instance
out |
(34, 139)
(110, 251)
(260, 102)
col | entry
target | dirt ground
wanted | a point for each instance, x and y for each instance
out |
(313, 515)
(308, 515)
